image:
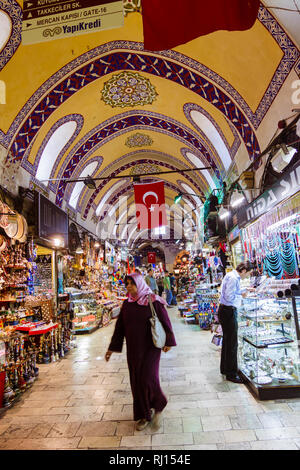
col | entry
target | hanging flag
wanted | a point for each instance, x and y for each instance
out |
(151, 257)
(169, 23)
(150, 205)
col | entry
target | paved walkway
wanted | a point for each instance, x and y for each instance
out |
(82, 402)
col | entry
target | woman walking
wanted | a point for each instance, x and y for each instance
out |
(142, 356)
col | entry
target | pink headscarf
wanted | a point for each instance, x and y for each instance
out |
(143, 291)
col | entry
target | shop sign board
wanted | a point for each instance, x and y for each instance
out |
(52, 220)
(283, 189)
(235, 233)
(47, 20)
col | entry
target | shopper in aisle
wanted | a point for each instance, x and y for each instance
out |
(142, 356)
(167, 289)
(230, 300)
(173, 288)
(160, 285)
(151, 281)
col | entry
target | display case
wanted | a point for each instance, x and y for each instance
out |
(268, 350)
(87, 315)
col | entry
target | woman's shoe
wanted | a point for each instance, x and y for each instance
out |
(156, 421)
(141, 424)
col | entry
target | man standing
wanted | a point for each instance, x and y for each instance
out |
(230, 300)
(167, 288)
(150, 280)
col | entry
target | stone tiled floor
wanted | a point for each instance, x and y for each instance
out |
(82, 402)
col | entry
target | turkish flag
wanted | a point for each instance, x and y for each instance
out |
(151, 257)
(169, 23)
(150, 205)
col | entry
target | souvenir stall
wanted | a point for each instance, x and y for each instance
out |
(93, 291)
(269, 318)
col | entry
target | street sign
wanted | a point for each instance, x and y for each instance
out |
(46, 20)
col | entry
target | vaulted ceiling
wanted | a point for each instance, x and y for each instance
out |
(98, 104)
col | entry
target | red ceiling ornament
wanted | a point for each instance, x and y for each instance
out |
(169, 23)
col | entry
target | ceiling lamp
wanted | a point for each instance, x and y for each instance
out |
(223, 213)
(178, 198)
(89, 182)
(79, 250)
(237, 198)
(283, 157)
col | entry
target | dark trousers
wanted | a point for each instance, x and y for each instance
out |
(228, 321)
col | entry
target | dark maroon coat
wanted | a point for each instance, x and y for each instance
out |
(142, 356)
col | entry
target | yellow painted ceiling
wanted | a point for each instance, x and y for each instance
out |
(246, 60)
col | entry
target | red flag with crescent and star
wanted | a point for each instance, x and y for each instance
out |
(150, 205)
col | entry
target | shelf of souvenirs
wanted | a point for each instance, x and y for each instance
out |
(20, 353)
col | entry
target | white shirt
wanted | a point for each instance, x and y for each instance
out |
(231, 294)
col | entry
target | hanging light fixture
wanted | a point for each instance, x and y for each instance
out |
(178, 198)
(237, 198)
(223, 213)
(89, 182)
(283, 157)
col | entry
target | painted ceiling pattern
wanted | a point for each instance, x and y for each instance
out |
(138, 140)
(130, 77)
(128, 89)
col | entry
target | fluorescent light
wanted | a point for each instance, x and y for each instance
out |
(57, 242)
(283, 157)
(223, 213)
(237, 198)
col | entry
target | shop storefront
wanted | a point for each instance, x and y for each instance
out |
(269, 330)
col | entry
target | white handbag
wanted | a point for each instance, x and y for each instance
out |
(158, 332)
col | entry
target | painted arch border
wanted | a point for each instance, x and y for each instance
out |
(196, 181)
(14, 11)
(290, 56)
(111, 129)
(124, 167)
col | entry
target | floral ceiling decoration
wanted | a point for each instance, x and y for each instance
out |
(128, 89)
(144, 168)
(130, 6)
(138, 140)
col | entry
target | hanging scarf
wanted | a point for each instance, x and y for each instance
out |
(143, 291)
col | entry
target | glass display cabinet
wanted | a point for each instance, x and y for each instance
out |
(87, 314)
(268, 350)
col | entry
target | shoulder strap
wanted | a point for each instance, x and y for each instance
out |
(152, 307)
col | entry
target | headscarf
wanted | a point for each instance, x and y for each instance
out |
(143, 291)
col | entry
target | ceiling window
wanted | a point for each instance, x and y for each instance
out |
(5, 29)
(54, 146)
(198, 164)
(107, 196)
(79, 186)
(213, 135)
